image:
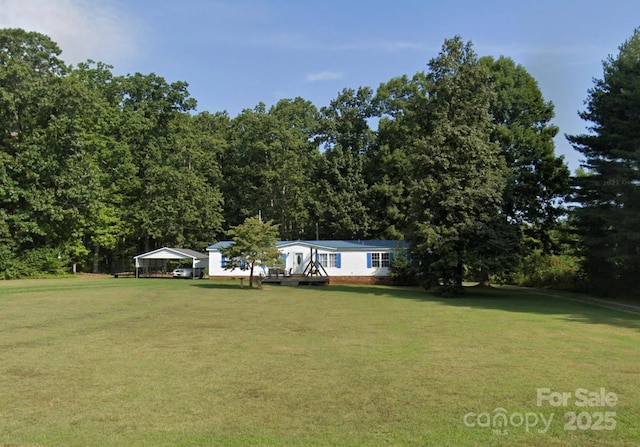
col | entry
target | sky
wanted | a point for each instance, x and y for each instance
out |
(235, 54)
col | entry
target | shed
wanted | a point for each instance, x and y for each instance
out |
(156, 261)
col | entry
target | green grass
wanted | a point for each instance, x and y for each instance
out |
(126, 362)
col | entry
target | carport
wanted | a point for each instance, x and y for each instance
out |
(154, 263)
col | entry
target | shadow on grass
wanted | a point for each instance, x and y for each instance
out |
(572, 307)
(508, 299)
(225, 285)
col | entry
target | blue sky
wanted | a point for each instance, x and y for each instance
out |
(237, 53)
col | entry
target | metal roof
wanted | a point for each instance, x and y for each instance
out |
(175, 252)
(219, 245)
(353, 245)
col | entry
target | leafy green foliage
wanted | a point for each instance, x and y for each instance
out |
(457, 174)
(537, 179)
(254, 243)
(30, 81)
(403, 273)
(401, 104)
(340, 188)
(36, 263)
(269, 163)
(537, 269)
(97, 168)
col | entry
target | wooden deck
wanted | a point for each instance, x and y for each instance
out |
(296, 280)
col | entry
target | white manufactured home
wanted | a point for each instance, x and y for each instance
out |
(338, 261)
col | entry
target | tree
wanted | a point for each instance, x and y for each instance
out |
(30, 75)
(340, 198)
(46, 175)
(608, 215)
(168, 190)
(537, 180)
(269, 163)
(401, 104)
(289, 169)
(254, 243)
(184, 198)
(242, 164)
(96, 108)
(457, 173)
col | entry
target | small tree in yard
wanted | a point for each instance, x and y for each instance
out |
(254, 243)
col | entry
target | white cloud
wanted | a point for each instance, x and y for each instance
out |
(83, 29)
(323, 76)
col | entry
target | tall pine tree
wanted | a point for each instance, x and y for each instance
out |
(608, 215)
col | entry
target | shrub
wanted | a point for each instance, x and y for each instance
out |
(43, 261)
(32, 263)
(402, 272)
(561, 272)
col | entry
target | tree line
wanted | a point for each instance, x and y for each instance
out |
(457, 159)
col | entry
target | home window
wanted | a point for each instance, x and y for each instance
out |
(322, 259)
(377, 260)
(333, 260)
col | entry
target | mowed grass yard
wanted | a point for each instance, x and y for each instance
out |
(126, 362)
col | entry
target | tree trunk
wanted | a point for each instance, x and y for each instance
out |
(457, 276)
(484, 277)
(96, 259)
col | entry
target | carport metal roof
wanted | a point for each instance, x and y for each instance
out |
(198, 260)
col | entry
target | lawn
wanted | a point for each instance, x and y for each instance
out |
(143, 362)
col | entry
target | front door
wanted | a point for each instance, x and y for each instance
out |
(298, 263)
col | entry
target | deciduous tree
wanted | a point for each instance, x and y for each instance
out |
(38, 143)
(537, 180)
(254, 243)
(400, 104)
(341, 192)
(269, 164)
(457, 173)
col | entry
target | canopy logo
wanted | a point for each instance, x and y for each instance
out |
(501, 421)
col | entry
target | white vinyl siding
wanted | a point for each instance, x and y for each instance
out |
(335, 262)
